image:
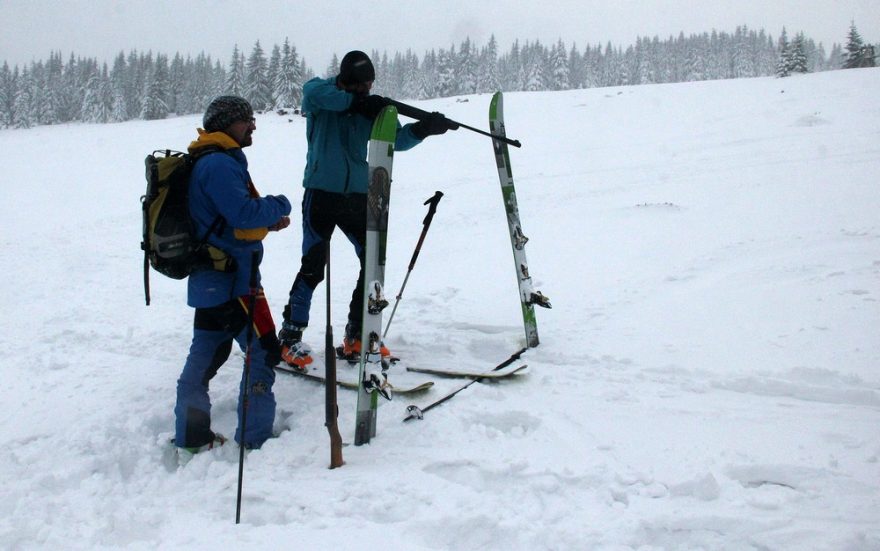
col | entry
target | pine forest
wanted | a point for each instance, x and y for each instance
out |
(148, 85)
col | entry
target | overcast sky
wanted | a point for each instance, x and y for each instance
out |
(30, 29)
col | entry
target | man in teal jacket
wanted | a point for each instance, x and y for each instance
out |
(339, 118)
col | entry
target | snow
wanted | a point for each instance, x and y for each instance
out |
(706, 379)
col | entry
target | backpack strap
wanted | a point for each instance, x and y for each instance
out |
(219, 224)
(217, 227)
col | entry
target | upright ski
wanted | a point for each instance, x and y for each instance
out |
(529, 297)
(372, 371)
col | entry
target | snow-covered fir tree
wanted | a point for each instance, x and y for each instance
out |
(467, 68)
(535, 72)
(155, 105)
(272, 73)
(857, 53)
(508, 68)
(288, 84)
(393, 75)
(411, 85)
(428, 76)
(783, 64)
(333, 68)
(447, 84)
(589, 67)
(134, 84)
(94, 108)
(696, 52)
(203, 83)
(257, 89)
(43, 110)
(489, 79)
(7, 95)
(560, 71)
(643, 62)
(235, 84)
(21, 115)
(177, 100)
(385, 83)
(61, 99)
(742, 55)
(798, 54)
(119, 109)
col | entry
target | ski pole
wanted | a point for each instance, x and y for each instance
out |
(252, 302)
(331, 409)
(426, 223)
(415, 412)
(419, 114)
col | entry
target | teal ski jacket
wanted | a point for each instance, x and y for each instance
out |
(337, 156)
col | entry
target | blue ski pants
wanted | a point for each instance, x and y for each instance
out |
(214, 330)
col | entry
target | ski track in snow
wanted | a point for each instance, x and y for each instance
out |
(706, 380)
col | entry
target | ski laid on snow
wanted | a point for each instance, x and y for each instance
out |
(529, 297)
(316, 373)
(415, 412)
(372, 371)
(470, 373)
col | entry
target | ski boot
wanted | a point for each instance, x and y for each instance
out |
(294, 351)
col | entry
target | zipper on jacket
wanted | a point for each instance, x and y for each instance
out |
(345, 155)
(310, 118)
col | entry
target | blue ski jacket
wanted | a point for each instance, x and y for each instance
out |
(337, 156)
(221, 185)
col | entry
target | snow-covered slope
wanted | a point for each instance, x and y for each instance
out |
(707, 379)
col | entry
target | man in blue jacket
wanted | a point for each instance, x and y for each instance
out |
(339, 118)
(221, 191)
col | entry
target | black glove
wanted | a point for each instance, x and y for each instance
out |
(368, 106)
(432, 125)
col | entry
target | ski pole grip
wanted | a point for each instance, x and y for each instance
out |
(426, 223)
(432, 208)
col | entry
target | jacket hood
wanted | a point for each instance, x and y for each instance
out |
(212, 139)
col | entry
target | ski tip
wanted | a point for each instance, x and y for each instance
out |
(496, 108)
(385, 125)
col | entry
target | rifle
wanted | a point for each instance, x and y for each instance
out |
(419, 114)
